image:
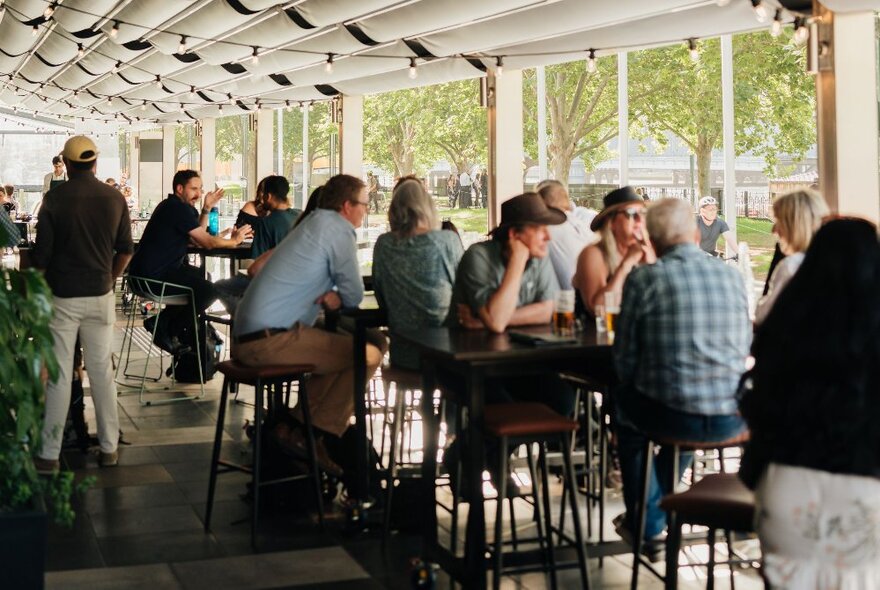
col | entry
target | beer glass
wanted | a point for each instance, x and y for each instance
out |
(563, 313)
(612, 309)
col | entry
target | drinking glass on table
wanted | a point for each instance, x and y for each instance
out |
(601, 326)
(563, 313)
(612, 309)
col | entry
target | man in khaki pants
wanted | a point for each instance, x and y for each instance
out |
(315, 266)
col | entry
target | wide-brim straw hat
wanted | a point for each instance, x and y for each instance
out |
(528, 208)
(614, 201)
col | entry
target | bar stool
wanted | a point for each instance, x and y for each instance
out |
(526, 423)
(719, 501)
(641, 513)
(264, 379)
(163, 295)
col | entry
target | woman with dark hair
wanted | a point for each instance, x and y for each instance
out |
(812, 403)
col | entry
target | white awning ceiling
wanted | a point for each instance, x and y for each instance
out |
(371, 43)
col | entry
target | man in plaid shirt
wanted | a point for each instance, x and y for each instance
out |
(681, 344)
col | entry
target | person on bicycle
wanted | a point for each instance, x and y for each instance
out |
(711, 228)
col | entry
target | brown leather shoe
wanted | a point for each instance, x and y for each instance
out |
(46, 466)
(293, 442)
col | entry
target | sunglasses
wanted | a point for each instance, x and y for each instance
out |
(632, 213)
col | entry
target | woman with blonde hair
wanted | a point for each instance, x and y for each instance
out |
(798, 215)
(414, 266)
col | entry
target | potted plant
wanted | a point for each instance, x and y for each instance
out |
(26, 497)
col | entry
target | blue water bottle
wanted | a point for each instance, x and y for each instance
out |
(214, 221)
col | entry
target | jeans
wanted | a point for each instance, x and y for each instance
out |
(640, 417)
(93, 318)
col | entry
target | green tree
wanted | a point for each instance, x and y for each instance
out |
(774, 98)
(394, 130)
(456, 125)
(320, 130)
(581, 114)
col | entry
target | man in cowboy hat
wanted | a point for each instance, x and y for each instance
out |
(509, 281)
(711, 228)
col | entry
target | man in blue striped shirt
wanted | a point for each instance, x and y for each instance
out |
(681, 343)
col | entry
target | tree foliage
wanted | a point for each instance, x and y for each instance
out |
(774, 98)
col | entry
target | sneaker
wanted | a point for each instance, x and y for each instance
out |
(46, 466)
(293, 442)
(108, 459)
(654, 548)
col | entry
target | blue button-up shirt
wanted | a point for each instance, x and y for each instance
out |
(684, 332)
(317, 256)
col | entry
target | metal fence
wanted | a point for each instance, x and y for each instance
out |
(751, 202)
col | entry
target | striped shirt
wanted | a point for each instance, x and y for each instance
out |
(684, 332)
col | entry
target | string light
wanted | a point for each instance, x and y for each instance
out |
(591, 62)
(35, 30)
(144, 106)
(776, 27)
(192, 91)
(220, 108)
(182, 47)
(287, 106)
(760, 10)
(109, 101)
(255, 56)
(231, 100)
(499, 66)
(158, 81)
(114, 32)
(413, 72)
(116, 67)
(801, 31)
(693, 50)
(328, 65)
(50, 10)
(80, 50)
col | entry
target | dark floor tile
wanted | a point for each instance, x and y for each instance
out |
(172, 421)
(128, 455)
(187, 452)
(178, 409)
(117, 523)
(126, 475)
(159, 547)
(305, 568)
(189, 470)
(133, 497)
(146, 577)
(346, 585)
(74, 554)
(230, 486)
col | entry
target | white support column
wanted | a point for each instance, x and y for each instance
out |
(505, 140)
(169, 158)
(134, 163)
(623, 117)
(279, 139)
(540, 74)
(306, 163)
(847, 101)
(264, 146)
(728, 133)
(209, 153)
(351, 136)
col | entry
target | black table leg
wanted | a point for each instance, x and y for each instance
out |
(362, 489)
(429, 460)
(475, 538)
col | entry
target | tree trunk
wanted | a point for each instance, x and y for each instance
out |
(561, 157)
(704, 166)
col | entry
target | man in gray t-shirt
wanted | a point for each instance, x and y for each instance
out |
(712, 228)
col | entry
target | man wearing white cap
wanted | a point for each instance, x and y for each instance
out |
(83, 244)
(711, 228)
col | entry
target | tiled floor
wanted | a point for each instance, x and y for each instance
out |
(140, 525)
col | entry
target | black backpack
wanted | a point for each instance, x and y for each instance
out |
(185, 361)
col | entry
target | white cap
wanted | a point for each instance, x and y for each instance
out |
(707, 201)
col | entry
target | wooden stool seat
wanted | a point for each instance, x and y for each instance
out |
(524, 419)
(248, 375)
(690, 445)
(718, 501)
(404, 378)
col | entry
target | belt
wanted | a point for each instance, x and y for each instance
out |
(259, 335)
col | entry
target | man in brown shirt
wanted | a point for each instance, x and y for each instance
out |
(83, 244)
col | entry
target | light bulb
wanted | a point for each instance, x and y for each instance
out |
(109, 101)
(499, 66)
(328, 65)
(255, 56)
(192, 91)
(591, 62)
(760, 10)
(50, 10)
(80, 50)
(776, 27)
(115, 30)
(413, 72)
(35, 30)
(693, 50)
(158, 81)
(116, 67)
(182, 47)
(231, 100)
(144, 106)
(220, 108)
(287, 105)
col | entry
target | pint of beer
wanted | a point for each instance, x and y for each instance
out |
(563, 313)
(612, 309)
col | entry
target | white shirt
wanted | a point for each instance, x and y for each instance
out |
(783, 273)
(566, 242)
(464, 179)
